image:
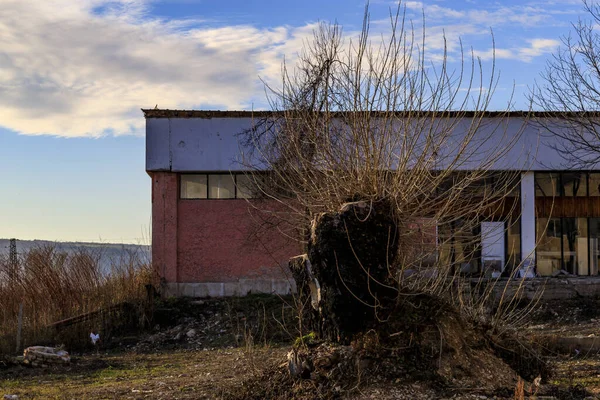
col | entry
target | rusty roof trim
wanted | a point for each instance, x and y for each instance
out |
(207, 114)
(160, 113)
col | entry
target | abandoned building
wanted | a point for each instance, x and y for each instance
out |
(202, 229)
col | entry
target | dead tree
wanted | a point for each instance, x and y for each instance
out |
(569, 93)
(374, 148)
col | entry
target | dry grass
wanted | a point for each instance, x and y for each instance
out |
(53, 285)
(178, 374)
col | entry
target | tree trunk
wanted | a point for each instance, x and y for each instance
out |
(348, 276)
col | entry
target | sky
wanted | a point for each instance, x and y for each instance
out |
(75, 74)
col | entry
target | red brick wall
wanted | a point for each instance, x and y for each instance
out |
(212, 240)
(164, 224)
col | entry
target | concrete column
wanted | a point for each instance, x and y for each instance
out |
(528, 218)
(164, 225)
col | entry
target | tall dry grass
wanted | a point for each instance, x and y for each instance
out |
(55, 285)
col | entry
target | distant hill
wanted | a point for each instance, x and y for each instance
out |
(109, 253)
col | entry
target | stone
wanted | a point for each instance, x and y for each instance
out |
(191, 333)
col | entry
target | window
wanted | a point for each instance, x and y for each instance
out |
(567, 184)
(194, 186)
(513, 244)
(460, 246)
(546, 184)
(245, 186)
(217, 186)
(573, 184)
(549, 255)
(221, 186)
(575, 245)
(563, 243)
(594, 245)
(594, 184)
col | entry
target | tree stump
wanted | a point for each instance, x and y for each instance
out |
(349, 260)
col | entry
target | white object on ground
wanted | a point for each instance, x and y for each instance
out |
(95, 337)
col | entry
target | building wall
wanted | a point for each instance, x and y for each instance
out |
(215, 247)
(219, 240)
(164, 224)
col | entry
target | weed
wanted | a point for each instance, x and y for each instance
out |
(305, 340)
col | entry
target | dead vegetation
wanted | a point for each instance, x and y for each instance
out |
(52, 286)
(220, 363)
(380, 155)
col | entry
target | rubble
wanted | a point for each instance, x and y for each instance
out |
(41, 356)
(191, 333)
(210, 323)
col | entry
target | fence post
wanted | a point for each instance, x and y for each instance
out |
(19, 327)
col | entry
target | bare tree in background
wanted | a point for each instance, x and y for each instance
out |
(569, 91)
(378, 139)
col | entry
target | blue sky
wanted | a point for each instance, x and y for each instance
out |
(74, 75)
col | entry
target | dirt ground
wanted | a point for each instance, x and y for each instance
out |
(213, 349)
(179, 374)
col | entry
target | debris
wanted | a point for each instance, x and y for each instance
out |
(191, 333)
(11, 397)
(40, 356)
(299, 365)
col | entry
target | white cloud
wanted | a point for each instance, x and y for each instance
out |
(498, 54)
(445, 26)
(72, 69)
(86, 67)
(536, 47)
(492, 15)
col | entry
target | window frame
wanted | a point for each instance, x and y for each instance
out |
(560, 190)
(207, 175)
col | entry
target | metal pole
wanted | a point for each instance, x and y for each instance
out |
(13, 260)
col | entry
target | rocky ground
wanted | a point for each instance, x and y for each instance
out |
(227, 349)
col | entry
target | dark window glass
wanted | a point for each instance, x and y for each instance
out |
(594, 179)
(245, 186)
(575, 245)
(549, 257)
(513, 245)
(460, 246)
(594, 230)
(546, 184)
(573, 184)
